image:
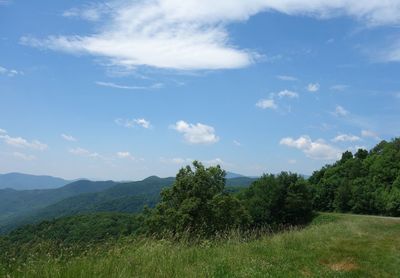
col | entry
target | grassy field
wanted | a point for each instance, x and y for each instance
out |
(334, 245)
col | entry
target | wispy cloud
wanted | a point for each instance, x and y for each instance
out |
(176, 160)
(346, 138)
(165, 34)
(9, 72)
(20, 142)
(5, 2)
(237, 143)
(196, 133)
(86, 153)
(370, 134)
(313, 87)
(267, 104)
(287, 78)
(125, 87)
(69, 138)
(90, 12)
(23, 156)
(340, 111)
(389, 54)
(125, 155)
(288, 94)
(130, 123)
(339, 87)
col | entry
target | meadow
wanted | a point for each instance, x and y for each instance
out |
(333, 245)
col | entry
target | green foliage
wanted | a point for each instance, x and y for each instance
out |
(16, 205)
(275, 200)
(90, 197)
(367, 182)
(72, 234)
(196, 204)
(332, 247)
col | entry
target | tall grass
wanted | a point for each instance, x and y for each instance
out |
(333, 246)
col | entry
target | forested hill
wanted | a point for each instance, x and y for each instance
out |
(20, 181)
(25, 207)
(15, 204)
(366, 182)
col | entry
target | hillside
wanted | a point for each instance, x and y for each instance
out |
(15, 204)
(124, 197)
(24, 207)
(363, 182)
(334, 245)
(20, 181)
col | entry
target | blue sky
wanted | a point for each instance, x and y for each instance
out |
(127, 89)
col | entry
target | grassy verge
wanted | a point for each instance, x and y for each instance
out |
(334, 245)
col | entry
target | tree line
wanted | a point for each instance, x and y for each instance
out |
(197, 203)
(364, 183)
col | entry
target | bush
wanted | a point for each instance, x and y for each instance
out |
(284, 199)
(196, 205)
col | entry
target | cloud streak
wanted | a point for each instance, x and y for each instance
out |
(69, 138)
(134, 122)
(125, 87)
(9, 72)
(20, 142)
(192, 34)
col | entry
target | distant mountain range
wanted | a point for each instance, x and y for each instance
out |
(20, 181)
(19, 207)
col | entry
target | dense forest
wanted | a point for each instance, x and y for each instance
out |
(364, 183)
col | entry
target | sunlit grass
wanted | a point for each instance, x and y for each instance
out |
(333, 246)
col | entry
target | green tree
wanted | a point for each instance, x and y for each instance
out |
(281, 199)
(196, 204)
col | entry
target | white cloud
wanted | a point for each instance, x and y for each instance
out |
(287, 93)
(124, 87)
(90, 12)
(23, 156)
(313, 87)
(9, 72)
(214, 162)
(339, 87)
(125, 155)
(134, 122)
(266, 104)
(286, 78)
(3, 131)
(68, 137)
(166, 33)
(370, 134)
(79, 151)
(176, 160)
(86, 153)
(329, 41)
(292, 161)
(340, 111)
(237, 143)
(196, 133)
(346, 138)
(390, 54)
(318, 149)
(143, 123)
(20, 142)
